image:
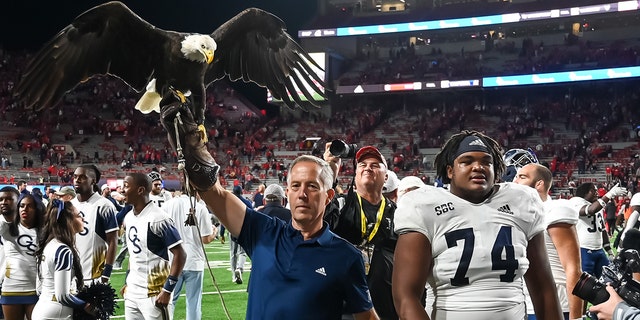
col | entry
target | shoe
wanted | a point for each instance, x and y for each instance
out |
(238, 275)
(222, 239)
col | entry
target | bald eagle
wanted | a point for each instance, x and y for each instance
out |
(111, 39)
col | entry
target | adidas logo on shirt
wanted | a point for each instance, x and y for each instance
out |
(477, 142)
(321, 271)
(505, 209)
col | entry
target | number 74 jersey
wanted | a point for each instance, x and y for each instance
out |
(479, 251)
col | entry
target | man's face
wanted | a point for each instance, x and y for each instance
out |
(156, 187)
(526, 176)
(8, 203)
(592, 195)
(472, 175)
(370, 173)
(130, 190)
(83, 180)
(307, 196)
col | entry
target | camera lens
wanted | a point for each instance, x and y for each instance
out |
(338, 148)
(590, 289)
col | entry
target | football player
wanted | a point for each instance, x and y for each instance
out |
(472, 244)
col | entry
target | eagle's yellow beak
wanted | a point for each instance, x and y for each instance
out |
(209, 55)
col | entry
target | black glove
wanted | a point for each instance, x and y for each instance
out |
(200, 165)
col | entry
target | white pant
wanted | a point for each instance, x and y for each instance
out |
(51, 310)
(135, 309)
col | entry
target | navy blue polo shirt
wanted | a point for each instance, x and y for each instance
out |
(320, 278)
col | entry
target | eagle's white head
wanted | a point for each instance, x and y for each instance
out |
(198, 47)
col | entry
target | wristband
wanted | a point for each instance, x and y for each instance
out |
(170, 284)
(602, 203)
(107, 270)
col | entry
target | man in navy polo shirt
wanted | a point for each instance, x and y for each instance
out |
(300, 269)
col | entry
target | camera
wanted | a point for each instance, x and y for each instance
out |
(342, 149)
(619, 274)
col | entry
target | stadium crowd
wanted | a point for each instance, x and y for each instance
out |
(584, 135)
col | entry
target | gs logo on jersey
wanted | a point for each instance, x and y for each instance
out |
(26, 242)
(85, 230)
(133, 237)
(444, 208)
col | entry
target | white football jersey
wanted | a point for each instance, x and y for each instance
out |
(99, 216)
(556, 211)
(150, 235)
(178, 208)
(634, 217)
(479, 251)
(56, 258)
(589, 227)
(20, 261)
(160, 198)
(56, 283)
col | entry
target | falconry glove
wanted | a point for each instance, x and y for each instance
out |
(200, 167)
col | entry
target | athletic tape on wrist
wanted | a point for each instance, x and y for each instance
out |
(602, 203)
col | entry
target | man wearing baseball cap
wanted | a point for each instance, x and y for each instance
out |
(66, 193)
(274, 198)
(375, 238)
(390, 186)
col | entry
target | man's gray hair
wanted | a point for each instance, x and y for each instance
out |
(326, 174)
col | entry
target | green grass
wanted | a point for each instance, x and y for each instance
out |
(234, 295)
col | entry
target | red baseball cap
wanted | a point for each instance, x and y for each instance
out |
(368, 152)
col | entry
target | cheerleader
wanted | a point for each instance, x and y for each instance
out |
(20, 243)
(58, 263)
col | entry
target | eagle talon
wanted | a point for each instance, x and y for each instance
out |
(178, 94)
(203, 133)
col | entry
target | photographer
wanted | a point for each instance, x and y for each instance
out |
(615, 308)
(365, 202)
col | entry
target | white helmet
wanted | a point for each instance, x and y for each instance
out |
(519, 157)
(635, 200)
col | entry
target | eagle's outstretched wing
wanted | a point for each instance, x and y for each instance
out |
(254, 46)
(107, 39)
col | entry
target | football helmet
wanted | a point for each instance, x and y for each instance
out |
(154, 176)
(519, 157)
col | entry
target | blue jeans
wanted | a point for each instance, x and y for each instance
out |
(193, 281)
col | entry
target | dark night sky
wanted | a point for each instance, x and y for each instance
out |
(30, 23)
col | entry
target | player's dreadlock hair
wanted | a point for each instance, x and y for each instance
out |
(583, 189)
(448, 153)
